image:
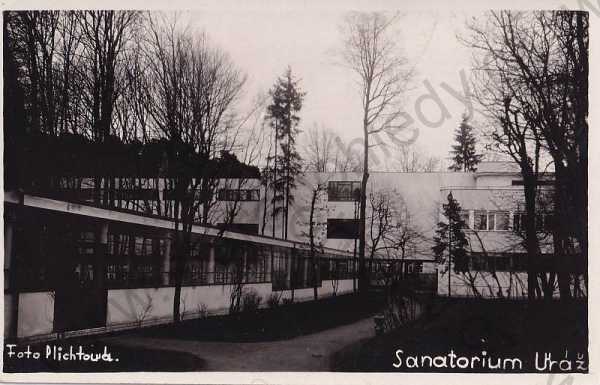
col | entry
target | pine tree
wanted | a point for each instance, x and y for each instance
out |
(450, 239)
(464, 154)
(282, 114)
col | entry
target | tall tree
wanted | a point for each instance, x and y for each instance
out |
(283, 115)
(370, 51)
(325, 151)
(409, 158)
(534, 67)
(194, 87)
(464, 153)
(450, 241)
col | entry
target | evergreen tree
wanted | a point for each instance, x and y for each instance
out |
(282, 114)
(464, 154)
(450, 241)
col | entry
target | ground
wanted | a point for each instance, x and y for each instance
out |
(306, 353)
(338, 334)
(301, 336)
(502, 329)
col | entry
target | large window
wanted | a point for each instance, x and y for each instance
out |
(544, 222)
(464, 216)
(481, 219)
(238, 195)
(294, 269)
(499, 262)
(342, 228)
(246, 228)
(343, 191)
(491, 220)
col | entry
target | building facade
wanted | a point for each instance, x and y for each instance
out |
(75, 266)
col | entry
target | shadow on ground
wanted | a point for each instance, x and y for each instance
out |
(503, 329)
(281, 323)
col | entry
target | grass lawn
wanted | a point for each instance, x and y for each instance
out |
(503, 329)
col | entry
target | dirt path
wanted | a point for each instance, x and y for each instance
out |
(306, 353)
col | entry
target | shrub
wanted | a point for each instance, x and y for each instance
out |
(288, 301)
(251, 301)
(273, 300)
(202, 310)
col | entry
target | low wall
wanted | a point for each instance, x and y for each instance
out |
(511, 285)
(36, 314)
(204, 300)
(126, 306)
(131, 308)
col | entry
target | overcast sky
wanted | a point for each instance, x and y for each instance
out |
(264, 41)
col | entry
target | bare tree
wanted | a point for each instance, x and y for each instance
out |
(369, 50)
(194, 88)
(313, 227)
(392, 233)
(325, 151)
(411, 159)
(532, 80)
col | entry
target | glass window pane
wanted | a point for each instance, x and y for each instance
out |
(502, 220)
(491, 221)
(480, 220)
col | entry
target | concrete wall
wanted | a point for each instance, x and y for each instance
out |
(512, 285)
(344, 286)
(36, 314)
(136, 307)
(216, 299)
(139, 305)
(8, 315)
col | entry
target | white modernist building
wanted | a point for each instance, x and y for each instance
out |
(65, 256)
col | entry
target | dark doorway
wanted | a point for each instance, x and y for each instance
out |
(80, 301)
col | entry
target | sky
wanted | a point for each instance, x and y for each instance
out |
(264, 41)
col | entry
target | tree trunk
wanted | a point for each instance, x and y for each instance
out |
(531, 241)
(363, 283)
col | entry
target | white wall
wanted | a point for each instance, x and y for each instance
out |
(36, 314)
(513, 285)
(8, 316)
(216, 298)
(137, 305)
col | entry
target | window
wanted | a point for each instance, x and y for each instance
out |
(481, 220)
(246, 228)
(86, 243)
(519, 182)
(342, 228)
(138, 194)
(143, 246)
(464, 216)
(519, 222)
(502, 219)
(493, 262)
(238, 195)
(343, 191)
(519, 261)
(543, 222)
(491, 220)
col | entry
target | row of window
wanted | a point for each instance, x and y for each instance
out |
(343, 191)
(483, 221)
(500, 221)
(150, 194)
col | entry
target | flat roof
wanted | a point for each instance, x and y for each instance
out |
(146, 220)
